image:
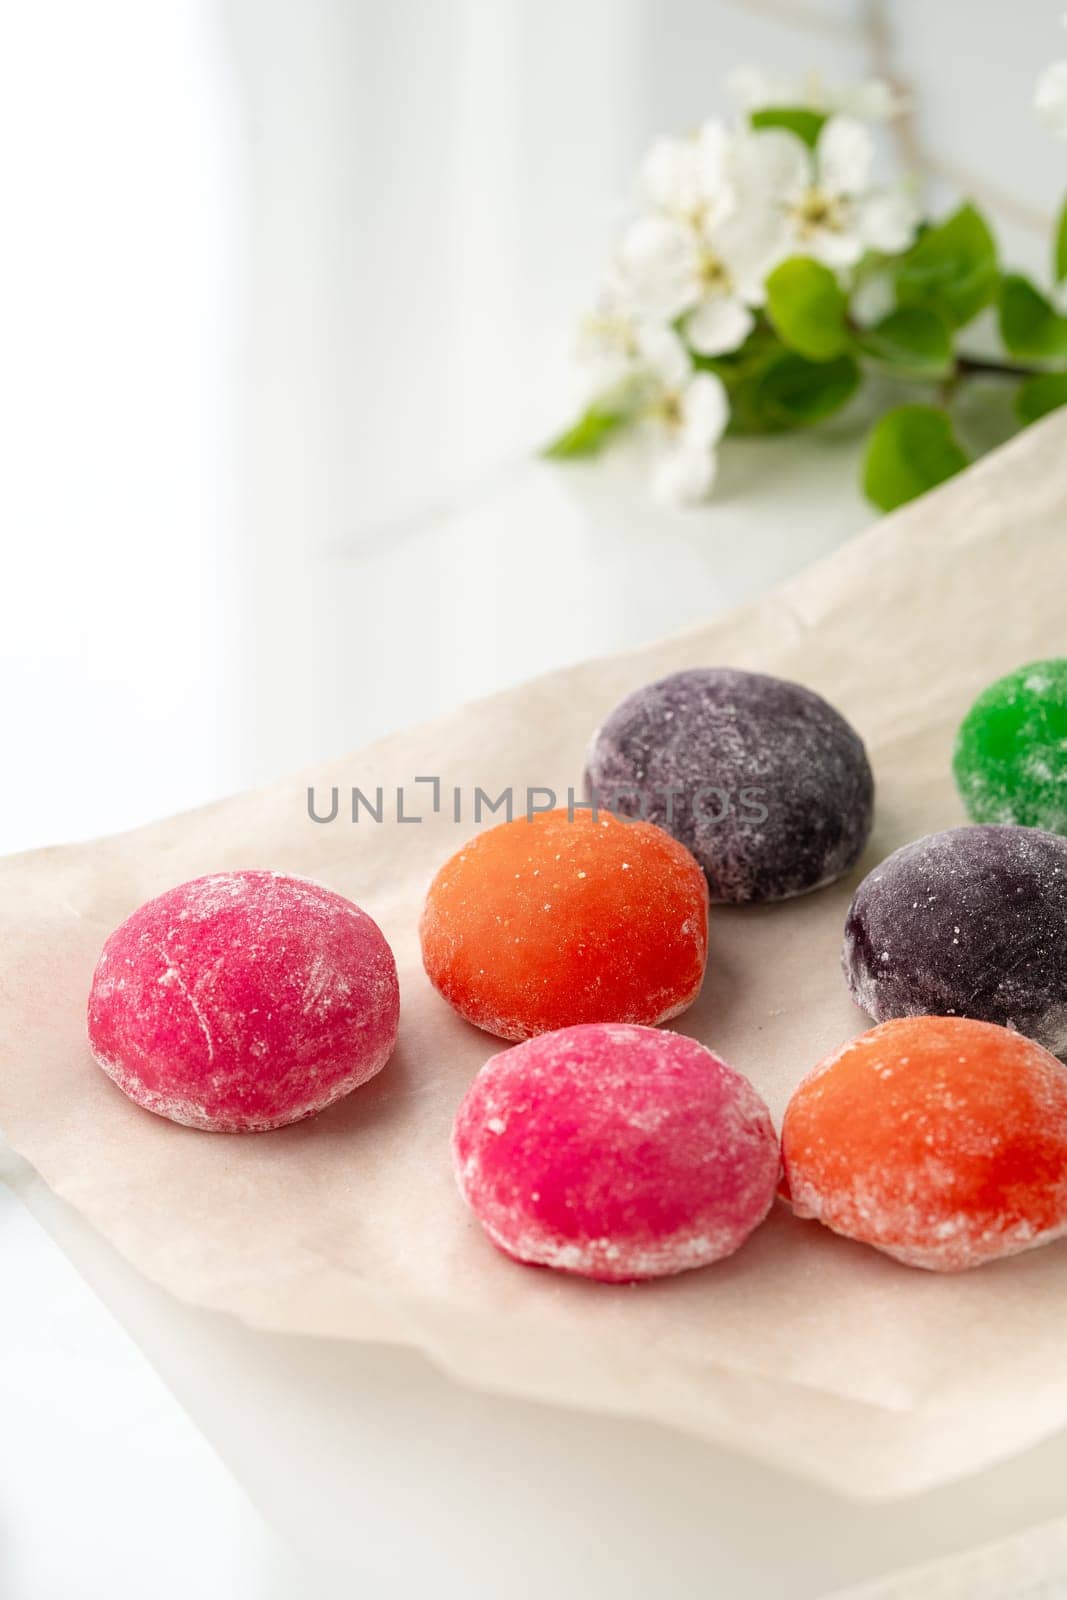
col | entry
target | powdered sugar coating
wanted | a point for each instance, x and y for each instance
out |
(1010, 759)
(243, 1001)
(969, 922)
(764, 744)
(536, 925)
(615, 1152)
(939, 1140)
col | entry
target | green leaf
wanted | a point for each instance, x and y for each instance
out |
(741, 371)
(1038, 396)
(1059, 254)
(807, 306)
(794, 392)
(589, 434)
(773, 389)
(911, 449)
(807, 125)
(951, 269)
(761, 343)
(1029, 326)
(910, 340)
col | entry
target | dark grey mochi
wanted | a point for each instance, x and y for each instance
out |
(971, 922)
(762, 779)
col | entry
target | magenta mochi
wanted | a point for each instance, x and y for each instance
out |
(244, 1001)
(615, 1152)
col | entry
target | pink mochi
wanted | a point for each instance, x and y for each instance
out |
(615, 1152)
(244, 1001)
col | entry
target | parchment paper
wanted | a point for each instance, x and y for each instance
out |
(803, 1349)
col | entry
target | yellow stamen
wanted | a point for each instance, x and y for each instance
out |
(713, 274)
(668, 408)
(816, 209)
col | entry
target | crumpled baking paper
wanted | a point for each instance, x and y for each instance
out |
(803, 1349)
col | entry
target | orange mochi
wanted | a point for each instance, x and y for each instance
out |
(567, 918)
(940, 1140)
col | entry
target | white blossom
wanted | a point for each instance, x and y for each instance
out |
(688, 178)
(686, 412)
(711, 273)
(825, 201)
(607, 353)
(718, 210)
(1050, 97)
(871, 100)
(698, 253)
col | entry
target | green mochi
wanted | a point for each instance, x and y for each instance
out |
(1010, 760)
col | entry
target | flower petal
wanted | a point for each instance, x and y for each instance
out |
(705, 410)
(664, 354)
(887, 221)
(753, 88)
(683, 475)
(833, 248)
(720, 324)
(770, 166)
(1050, 97)
(667, 175)
(872, 100)
(657, 268)
(657, 242)
(714, 144)
(843, 156)
(605, 356)
(751, 243)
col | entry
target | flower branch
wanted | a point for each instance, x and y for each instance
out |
(768, 274)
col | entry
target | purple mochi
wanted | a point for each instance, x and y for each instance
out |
(765, 783)
(971, 922)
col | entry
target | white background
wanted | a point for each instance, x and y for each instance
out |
(287, 294)
(284, 280)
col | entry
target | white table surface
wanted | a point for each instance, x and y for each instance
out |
(249, 1466)
(107, 1488)
(374, 1474)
